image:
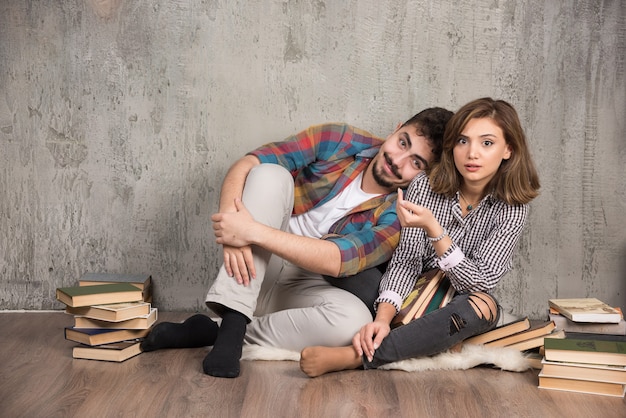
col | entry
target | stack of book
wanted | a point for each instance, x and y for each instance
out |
(519, 334)
(432, 290)
(592, 357)
(111, 314)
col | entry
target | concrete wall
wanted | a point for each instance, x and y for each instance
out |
(118, 120)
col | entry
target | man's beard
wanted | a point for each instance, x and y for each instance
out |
(380, 178)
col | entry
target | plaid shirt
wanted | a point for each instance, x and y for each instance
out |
(482, 242)
(323, 160)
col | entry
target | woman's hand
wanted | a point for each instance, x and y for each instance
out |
(369, 338)
(412, 215)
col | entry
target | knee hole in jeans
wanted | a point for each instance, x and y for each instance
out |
(484, 305)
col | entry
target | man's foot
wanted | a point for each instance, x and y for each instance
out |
(318, 360)
(223, 360)
(197, 331)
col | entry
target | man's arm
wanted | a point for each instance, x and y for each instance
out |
(232, 186)
(313, 254)
(239, 229)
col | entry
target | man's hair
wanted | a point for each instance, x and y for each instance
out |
(516, 181)
(431, 123)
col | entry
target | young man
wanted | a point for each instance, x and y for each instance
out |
(322, 202)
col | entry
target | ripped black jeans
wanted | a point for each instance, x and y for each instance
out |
(439, 330)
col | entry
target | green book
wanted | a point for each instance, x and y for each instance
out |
(101, 294)
(586, 351)
(437, 300)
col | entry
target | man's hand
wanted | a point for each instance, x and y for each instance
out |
(232, 230)
(238, 263)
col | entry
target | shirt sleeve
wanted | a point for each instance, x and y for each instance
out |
(372, 244)
(326, 142)
(482, 269)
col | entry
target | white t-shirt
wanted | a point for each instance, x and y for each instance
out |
(317, 221)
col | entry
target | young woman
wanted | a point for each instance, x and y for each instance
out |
(465, 217)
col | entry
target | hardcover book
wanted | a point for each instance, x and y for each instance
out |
(581, 386)
(142, 322)
(583, 371)
(114, 312)
(586, 310)
(415, 303)
(110, 352)
(98, 336)
(500, 332)
(142, 281)
(541, 329)
(586, 351)
(441, 296)
(76, 296)
(588, 327)
(536, 342)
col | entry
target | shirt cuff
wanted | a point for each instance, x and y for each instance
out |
(390, 296)
(451, 260)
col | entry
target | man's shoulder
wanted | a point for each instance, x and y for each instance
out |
(345, 131)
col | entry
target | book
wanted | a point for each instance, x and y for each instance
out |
(142, 281)
(581, 386)
(583, 371)
(423, 289)
(541, 329)
(536, 342)
(440, 297)
(586, 310)
(98, 336)
(76, 296)
(602, 337)
(141, 322)
(109, 352)
(568, 325)
(534, 359)
(114, 312)
(585, 351)
(502, 331)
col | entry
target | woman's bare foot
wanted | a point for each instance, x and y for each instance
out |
(457, 348)
(318, 360)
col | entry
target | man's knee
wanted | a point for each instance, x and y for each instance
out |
(268, 194)
(268, 174)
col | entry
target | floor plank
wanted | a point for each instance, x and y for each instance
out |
(39, 378)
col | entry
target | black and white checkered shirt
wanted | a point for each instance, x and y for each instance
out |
(481, 251)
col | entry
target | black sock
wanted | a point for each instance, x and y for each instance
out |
(197, 331)
(223, 360)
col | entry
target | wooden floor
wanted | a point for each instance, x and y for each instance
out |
(39, 378)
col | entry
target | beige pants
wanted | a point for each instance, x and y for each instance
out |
(288, 307)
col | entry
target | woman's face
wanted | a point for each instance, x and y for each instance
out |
(479, 151)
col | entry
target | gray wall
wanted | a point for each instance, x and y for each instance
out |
(118, 120)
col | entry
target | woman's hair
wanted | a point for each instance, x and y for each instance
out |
(516, 181)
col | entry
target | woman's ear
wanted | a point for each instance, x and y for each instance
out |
(507, 152)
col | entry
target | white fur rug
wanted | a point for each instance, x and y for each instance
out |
(470, 356)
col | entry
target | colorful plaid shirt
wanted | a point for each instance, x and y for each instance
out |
(323, 160)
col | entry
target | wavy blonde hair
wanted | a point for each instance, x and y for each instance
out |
(516, 181)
